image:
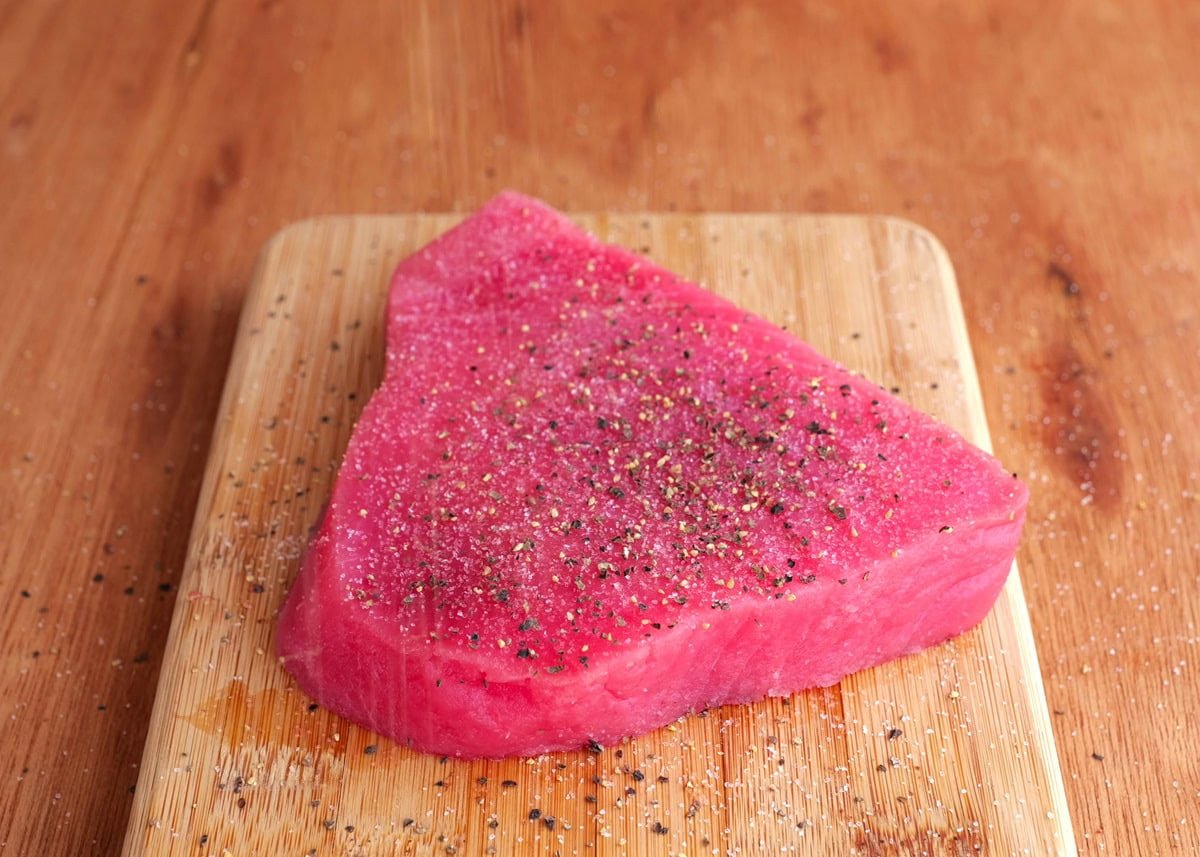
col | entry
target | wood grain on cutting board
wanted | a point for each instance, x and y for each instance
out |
(947, 752)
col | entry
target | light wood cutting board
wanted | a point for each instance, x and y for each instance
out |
(948, 752)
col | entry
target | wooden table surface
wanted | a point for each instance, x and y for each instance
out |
(147, 149)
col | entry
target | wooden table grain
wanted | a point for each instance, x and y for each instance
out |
(147, 149)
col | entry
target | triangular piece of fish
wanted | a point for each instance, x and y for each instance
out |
(590, 496)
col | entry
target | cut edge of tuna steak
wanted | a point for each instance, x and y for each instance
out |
(590, 497)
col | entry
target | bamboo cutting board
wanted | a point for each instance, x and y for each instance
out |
(945, 753)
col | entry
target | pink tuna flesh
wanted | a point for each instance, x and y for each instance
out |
(590, 497)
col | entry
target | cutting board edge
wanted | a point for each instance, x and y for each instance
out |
(284, 232)
(1014, 591)
(159, 712)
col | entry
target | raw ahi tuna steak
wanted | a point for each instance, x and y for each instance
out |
(590, 496)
